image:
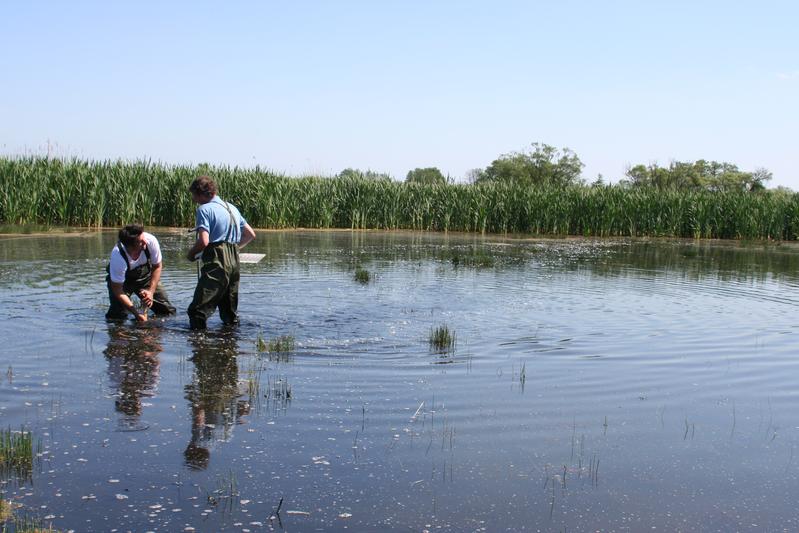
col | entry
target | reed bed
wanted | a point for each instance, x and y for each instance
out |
(38, 190)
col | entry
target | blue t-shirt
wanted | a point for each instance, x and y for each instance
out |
(215, 219)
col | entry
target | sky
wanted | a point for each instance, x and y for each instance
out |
(315, 87)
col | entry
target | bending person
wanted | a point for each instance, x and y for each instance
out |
(221, 231)
(135, 268)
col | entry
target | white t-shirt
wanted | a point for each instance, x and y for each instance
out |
(119, 265)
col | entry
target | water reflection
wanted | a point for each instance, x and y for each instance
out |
(215, 402)
(133, 369)
(343, 251)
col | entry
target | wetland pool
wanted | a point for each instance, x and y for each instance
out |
(602, 385)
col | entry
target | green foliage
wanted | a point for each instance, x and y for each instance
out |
(30, 524)
(472, 257)
(542, 165)
(281, 344)
(16, 453)
(6, 511)
(429, 176)
(353, 173)
(441, 339)
(698, 175)
(362, 275)
(55, 192)
(260, 343)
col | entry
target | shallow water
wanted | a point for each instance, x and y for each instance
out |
(595, 385)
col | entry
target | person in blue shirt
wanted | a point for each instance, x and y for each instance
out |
(221, 232)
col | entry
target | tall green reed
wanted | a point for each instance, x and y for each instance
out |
(39, 190)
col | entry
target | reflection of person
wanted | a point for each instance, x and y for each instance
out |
(133, 365)
(214, 397)
(221, 231)
(135, 268)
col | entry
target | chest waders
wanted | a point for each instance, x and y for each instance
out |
(218, 285)
(136, 279)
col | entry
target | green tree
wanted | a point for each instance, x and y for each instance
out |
(697, 175)
(543, 164)
(429, 175)
(360, 174)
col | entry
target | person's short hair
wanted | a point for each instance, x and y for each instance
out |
(203, 186)
(130, 234)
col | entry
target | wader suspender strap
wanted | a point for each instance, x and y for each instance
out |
(232, 221)
(125, 255)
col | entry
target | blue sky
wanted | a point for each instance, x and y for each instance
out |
(315, 87)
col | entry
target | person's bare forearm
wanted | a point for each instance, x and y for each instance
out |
(155, 277)
(127, 303)
(199, 245)
(247, 236)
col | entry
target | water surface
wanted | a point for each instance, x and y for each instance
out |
(609, 385)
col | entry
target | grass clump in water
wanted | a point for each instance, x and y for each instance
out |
(281, 344)
(27, 524)
(362, 275)
(260, 343)
(6, 511)
(442, 339)
(16, 452)
(472, 257)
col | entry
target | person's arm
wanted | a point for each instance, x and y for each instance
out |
(127, 303)
(147, 294)
(247, 236)
(199, 245)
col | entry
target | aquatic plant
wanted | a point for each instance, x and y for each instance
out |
(472, 257)
(260, 343)
(254, 381)
(29, 524)
(278, 389)
(281, 344)
(441, 339)
(227, 492)
(362, 275)
(16, 452)
(6, 511)
(41, 190)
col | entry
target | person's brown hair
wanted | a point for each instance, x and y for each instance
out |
(203, 186)
(130, 234)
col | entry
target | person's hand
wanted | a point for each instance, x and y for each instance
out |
(190, 256)
(141, 317)
(146, 297)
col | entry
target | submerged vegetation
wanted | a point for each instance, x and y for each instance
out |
(39, 190)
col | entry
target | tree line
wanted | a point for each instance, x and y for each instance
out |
(545, 165)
